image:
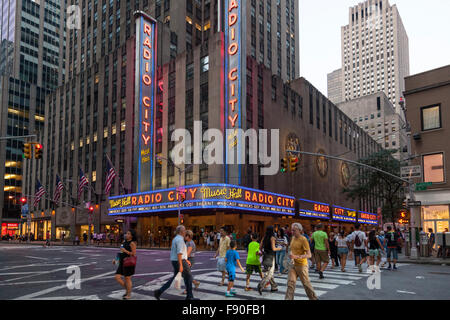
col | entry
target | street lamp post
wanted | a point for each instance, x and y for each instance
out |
(414, 253)
(180, 171)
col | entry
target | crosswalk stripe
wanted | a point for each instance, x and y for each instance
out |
(255, 279)
(242, 283)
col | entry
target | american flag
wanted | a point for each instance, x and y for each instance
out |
(59, 187)
(40, 191)
(110, 175)
(83, 182)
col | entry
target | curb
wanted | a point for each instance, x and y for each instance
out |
(437, 263)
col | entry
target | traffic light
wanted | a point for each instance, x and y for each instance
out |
(284, 165)
(38, 151)
(404, 217)
(27, 150)
(293, 164)
(23, 200)
(91, 209)
(181, 219)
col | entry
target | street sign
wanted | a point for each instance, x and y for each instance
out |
(414, 204)
(423, 186)
(25, 209)
(411, 172)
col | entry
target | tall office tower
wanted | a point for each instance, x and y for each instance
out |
(93, 115)
(273, 36)
(31, 66)
(334, 81)
(375, 52)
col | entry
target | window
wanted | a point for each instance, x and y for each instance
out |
(431, 117)
(433, 168)
(204, 64)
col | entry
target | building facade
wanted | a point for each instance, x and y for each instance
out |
(376, 115)
(93, 116)
(31, 66)
(375, 52)
(427, 97)
(334, 82)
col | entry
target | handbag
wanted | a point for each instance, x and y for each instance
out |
(129, 261)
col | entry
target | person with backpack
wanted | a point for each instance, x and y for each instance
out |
(247, 239)
(375, 249)
(359, 244)
(392, 240)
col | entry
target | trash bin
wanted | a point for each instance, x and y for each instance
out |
(424, 250)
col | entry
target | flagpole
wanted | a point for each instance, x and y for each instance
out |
(118, 175)
(121, 183)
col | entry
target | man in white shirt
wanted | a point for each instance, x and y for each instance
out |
(359, 244)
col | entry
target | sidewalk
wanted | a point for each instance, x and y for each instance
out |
(82, 245)
(424, 260)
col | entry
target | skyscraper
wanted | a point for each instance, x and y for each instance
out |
(335, 86)
(375, 52)
(31, 66)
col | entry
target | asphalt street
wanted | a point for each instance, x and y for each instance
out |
(30, 272)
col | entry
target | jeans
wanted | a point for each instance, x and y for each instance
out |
(187, 276)
(302, 272)
(279, 258)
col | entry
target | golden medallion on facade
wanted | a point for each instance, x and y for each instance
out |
(345, 174)
(322, 164)
(293, 144)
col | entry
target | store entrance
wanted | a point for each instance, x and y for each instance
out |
(257, 227)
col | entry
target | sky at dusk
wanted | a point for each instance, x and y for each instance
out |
(427, 24)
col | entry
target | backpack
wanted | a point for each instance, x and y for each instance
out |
(357, 240)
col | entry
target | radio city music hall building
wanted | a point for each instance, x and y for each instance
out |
(128, 103)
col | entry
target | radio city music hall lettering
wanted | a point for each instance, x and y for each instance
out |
(147, 48)
(321, 208)
(233, 74)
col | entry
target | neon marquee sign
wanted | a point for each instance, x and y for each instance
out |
(205, 196)
(234, 64)
(367, 218)
(146, 45)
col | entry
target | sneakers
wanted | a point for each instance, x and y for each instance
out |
(229, 294)
(389, 266)
(274, 290)
(321, 275)
(157, 294)
(395, 267)
(260, 289)
(360, 268)
(233, 291)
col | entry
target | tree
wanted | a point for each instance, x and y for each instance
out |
(368, 182)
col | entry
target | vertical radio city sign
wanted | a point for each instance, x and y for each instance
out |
(234, 64)
(145, 89)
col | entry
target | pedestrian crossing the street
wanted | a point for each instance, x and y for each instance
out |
(210, 290)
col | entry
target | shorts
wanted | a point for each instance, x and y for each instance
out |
(250, 268)
(360, 253)
(322, 256)
(394, 253)
(374, 253)
(231, 275)
(342, 251)
(221, 265)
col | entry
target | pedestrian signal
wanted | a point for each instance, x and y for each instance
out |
(284, 165)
